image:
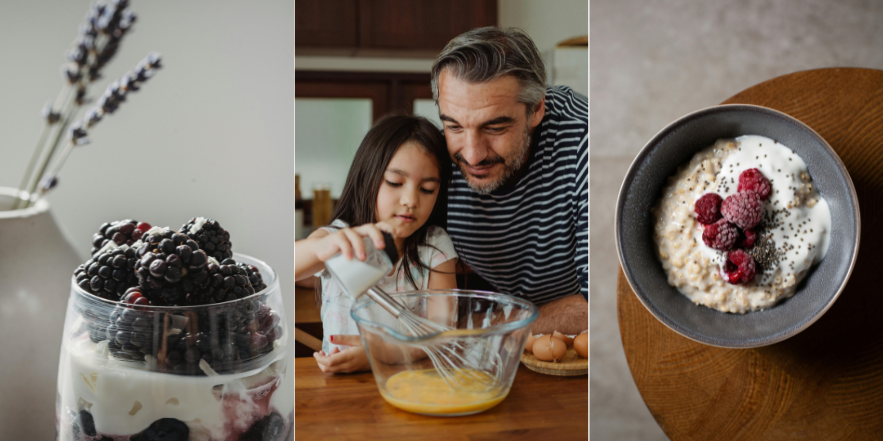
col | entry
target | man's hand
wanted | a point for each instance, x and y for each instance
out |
(567, 315)
(352, 359)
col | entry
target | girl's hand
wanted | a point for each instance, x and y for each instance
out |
(352, 359)
(348, 241)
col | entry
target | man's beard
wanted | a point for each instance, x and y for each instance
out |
(511, 166)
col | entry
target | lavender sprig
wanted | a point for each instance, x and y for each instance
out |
(98, 41)
(113, 96)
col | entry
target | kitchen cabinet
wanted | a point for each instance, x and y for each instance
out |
(417, 28)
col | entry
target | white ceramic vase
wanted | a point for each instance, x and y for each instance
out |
(36, 264)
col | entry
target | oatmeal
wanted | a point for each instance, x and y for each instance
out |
(777, 243)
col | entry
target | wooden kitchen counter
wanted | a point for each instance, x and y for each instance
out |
(349, 407)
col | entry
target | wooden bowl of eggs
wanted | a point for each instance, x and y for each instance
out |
(557, 354)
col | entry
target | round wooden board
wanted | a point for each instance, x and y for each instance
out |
(825, 383)
(571, 365)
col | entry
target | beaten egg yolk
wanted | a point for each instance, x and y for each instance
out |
(424, 391)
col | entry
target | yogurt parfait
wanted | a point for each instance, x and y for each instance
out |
(169, 335)
(740, 225)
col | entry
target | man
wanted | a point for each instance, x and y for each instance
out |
(518, 203)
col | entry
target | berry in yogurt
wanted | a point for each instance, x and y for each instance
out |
(774, 225)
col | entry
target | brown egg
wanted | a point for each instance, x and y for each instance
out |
(567, 340)
(530, 341)
(548, 348)
(581, 344)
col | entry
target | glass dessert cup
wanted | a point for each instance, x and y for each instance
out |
(485, 345)
(209, 372)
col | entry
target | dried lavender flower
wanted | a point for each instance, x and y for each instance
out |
(72, 73)
(79, 54)
(81, 95)
(92, 117)
(48, 183)
(130, 82)
(50, 115)
(98, 40)
(78, 133)
(153, 60)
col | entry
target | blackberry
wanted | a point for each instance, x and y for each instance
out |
(123, 232)
(257, 330)
(130, 335)
(170, 267)
(212, 239)
(84, 423)
(165, 429)
(109, 274)
(254, 276)
(230, 338)
(270, 428)
(225, 282)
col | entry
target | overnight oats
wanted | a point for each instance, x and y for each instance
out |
(739, 226)
(171, 336)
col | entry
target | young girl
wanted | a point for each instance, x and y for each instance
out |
(398, 183)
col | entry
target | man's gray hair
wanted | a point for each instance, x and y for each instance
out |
(484, 54)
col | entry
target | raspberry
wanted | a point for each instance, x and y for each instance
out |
(745, 209)
(753, 179)
(708, 208)
(720, 235)
(740, 267)
(748, 239)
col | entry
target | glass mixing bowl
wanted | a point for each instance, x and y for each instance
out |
(488, 337)
(209, 373)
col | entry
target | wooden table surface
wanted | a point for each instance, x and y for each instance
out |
(823, 384)
(349, 407)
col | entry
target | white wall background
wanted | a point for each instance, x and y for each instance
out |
(210, 135)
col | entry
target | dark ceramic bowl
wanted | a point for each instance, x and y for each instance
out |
(642, 187)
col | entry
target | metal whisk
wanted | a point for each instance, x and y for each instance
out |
(454, 361)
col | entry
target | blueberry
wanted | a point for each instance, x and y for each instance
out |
(166, 429)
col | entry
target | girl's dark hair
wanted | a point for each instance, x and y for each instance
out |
(358, 200)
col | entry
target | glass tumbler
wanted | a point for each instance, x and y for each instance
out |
(489, 331)
(142, 373)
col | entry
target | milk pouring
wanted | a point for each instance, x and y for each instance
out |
(356, 276)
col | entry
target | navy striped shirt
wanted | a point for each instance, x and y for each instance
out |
(531, 238)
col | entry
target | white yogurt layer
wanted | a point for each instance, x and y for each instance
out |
(793, 235)
(125, 400)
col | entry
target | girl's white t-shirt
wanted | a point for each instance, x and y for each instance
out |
(336, 303)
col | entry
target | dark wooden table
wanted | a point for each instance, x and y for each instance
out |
(349, 407)
(826, 383)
